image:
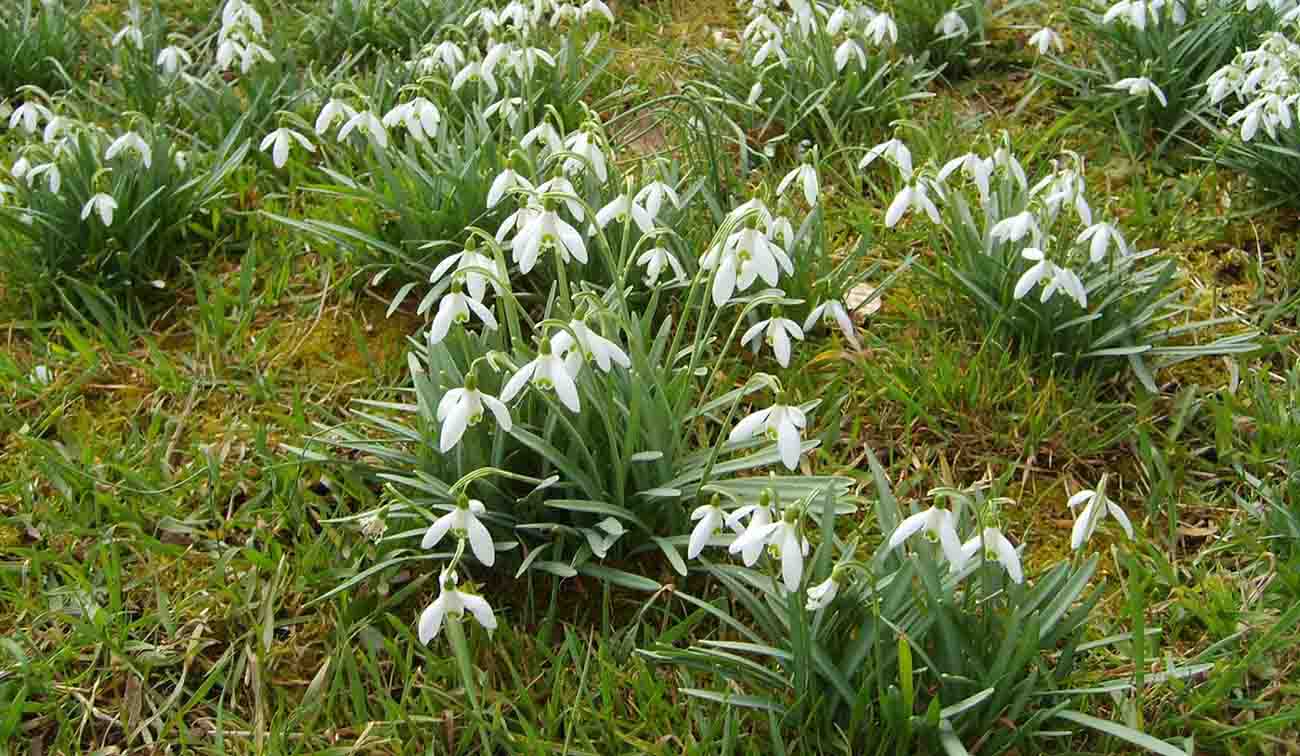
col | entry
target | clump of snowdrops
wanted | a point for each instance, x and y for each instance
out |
(1150, 60)
(544, 432)
(92, 218)
(1255, 96)
(1047, 272)
(811, 70)
(954, 648)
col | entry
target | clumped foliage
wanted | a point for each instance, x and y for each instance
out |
(41, 44)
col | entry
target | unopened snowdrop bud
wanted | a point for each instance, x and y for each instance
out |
(102, 204)
(822, 594)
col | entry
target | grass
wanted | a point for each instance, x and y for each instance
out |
(169, 572)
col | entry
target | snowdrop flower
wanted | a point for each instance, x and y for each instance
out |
(847, 50)
(740, 260)
(620, 209)
(806, 175)
(278, 142)
(548, 373)
(54, 129)
(486, 18)
(29, 115)
(1132, 11)
(784, 537)
(525, 60)
(103, 204)
(475, 71)
(760, 516)
(996, 548)
(656, 261)
(1041, 269)
(419, 116)
(546, 134)
(1094, 511)
(603, 536)
(756, 91)
(833, 311)
(976, 168)
(652, 197)
(505, 182)
(545, 230)
(777, 332)
(449, 54)
(882, 30)
(559, 185)
(476, 281)
(1002, 158)
(760, 27)
(939, 526)
(508, 108)
(334, 110)
(453, 603)
(951, 25)
(895, 151)
(912, 197)
(456, 308)
(1045, 39)
(365, 122)
(134, 142)
(1140, 86)
(172, 58)
(770, 47)
(1015, 227)
(1102, 235)
(590, 346)
(586, 155)
(53, 177)
(130, 33)
(596, 7)
(462, 408)
(782, 422)
(463, 522)
(710, 517)
(822, 594)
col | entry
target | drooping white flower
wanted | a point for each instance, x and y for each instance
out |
(1140, 86)
(974, 167)
(332, 111)
(129, 33)
(822, 594)
(103, 204)
(475, 71)
(760, 516)
(365, 122)
(545, 134)
(560, 186)
(710, 517)
(453, 603)
(652, 197)
(656, 261)
(596, 7)
(938, 525)
(1040, 270)
(462, 408)
(782, 422)
(449, 55)
(133, 142)
(545, 230)
(465, 261)
(1015, 227)
(833, 311)
(53, 176)
(419, 116)
(587, 155)
(547, 372)
(590, 346)
(1045, 40)
(996, 548)
(951, 25)
(806, 175)
(278, 142)
(505, 182)
(1097, 506)
(29, 115)
(463, 522)
(620, 209)
(777, 332)
(882, 30)
(1102, 235)
(455, 308)
(742, 258)
(895, 151)
(846, 52)
(785, 538)
(915, 197)
(172, 58)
